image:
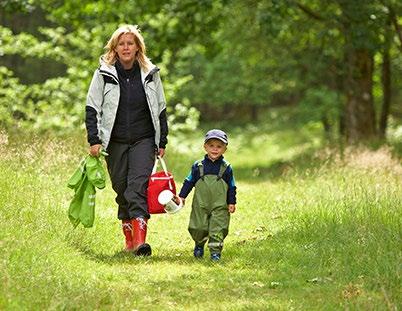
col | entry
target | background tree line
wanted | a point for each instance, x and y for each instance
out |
(337, 63)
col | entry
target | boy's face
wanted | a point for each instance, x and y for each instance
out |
(214, 148)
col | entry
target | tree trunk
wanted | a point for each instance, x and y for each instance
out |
(342, 126)
(359, 63)
(326, 126)
(254, 112)
(360, 117)
(386, 82)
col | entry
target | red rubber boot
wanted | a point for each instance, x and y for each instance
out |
(139, 235)
(128, 233)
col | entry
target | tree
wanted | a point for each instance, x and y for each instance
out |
(233, 58)
(79, 30)
(362, 24)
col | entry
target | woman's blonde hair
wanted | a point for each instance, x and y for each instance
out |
(111, 56)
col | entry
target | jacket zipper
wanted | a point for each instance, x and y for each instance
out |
(128, 108)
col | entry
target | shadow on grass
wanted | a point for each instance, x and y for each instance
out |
(276, 169)
(175, 256)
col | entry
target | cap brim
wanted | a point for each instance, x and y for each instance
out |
(218, 138)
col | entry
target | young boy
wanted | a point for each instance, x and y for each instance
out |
(214, 197)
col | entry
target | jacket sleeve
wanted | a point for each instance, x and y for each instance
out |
(189, 181)
(93, 108)
(229, 178)
(162, 112)
(164, 129)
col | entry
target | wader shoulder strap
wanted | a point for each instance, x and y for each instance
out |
(223, 168)
(201, 169)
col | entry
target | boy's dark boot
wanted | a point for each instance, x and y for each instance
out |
(140, 248)
(198, 250)
(215, 257)
(128, 234)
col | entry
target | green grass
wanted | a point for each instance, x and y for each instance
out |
(313, 231)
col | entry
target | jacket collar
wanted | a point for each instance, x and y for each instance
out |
(147, 76)
(219, 160)
(135, 70)
(110, 70)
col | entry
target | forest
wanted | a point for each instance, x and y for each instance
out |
(336, 63)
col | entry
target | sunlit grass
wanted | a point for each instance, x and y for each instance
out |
(322, 235)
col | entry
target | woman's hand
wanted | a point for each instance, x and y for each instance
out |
(94, 150)
(161, 152)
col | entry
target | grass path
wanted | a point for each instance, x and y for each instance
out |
(325, 236)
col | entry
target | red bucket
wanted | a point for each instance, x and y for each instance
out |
(159, 181)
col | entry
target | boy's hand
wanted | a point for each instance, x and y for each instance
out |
(177, 199)
(232, 208)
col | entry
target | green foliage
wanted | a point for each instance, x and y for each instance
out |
(319, 104)
(54, 105)
(11, 97)
(231, 54)
(185, 118)
(363, 22)
(11, 6)
(58, 103)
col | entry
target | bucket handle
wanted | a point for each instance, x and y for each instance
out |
(162, 163)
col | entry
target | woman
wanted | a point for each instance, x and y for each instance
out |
(126, 116)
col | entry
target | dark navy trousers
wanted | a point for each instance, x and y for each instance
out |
(130, 166)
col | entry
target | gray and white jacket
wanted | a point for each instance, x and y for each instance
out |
(104, 99)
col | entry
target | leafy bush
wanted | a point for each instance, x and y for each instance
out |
(58, 103)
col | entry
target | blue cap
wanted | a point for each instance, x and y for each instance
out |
(217, 134)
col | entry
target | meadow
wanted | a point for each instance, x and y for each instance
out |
(315, 229)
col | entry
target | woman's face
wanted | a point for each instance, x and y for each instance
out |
(126, 50)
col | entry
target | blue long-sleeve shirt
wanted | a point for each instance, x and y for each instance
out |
(210, 168)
